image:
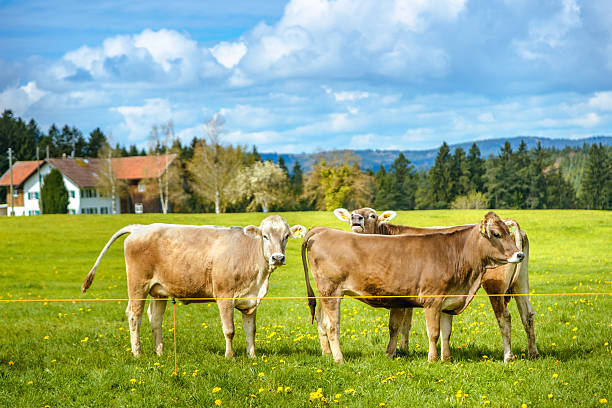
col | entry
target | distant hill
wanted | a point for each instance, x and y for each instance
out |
(424, 159)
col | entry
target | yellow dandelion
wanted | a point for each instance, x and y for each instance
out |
(216, 389)
(260, 374)
(218, 402)
(132, 380)
(487, 402)
(523, 405)
(279, 389)
(337, 396)
(555, 375)
(319, 370)
(30, 382)
(53, 361)
(349, 391)
(11, 363)
(603, 401)
(85, 340)
(382, 404)
(550, 396)
(46, 338)
(155, 364)
(133, 389)
(261, 390)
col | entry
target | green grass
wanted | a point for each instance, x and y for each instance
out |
(69, 354)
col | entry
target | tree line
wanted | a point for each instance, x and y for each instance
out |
(209, 175)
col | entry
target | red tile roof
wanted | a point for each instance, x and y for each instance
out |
(83, 171)
(139, 167)
(21, 171)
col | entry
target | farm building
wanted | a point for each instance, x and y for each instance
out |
(82, 180)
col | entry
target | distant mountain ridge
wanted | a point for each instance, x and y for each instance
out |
(424, 159)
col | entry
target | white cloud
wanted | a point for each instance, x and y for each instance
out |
(486, 117)
(19, 99)
(602, 101)
(138, 120)
(589, 120)
(229, 54)
(551, 33)
(144, 57)
(350, 38)
(350, 96)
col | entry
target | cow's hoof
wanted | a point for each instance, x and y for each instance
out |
(136, 353)
(229, 355)
(446, 359)
(534, 355)
(159, 350)
(509, 357)
(339, 360)
(391, 356)
(432, 359)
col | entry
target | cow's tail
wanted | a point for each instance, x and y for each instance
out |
(90, 276)
(312, 301)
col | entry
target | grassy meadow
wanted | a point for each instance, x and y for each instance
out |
(76, 353)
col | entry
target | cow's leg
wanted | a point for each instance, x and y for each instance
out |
(331, 322)
(405, 328)
(446, 328)
(521, 288)
(226, 310)
(396, 318)
(249, 324)
(134, 311)
(502, 314)
(157, 307)
(432, 318)
(526, 311)
(325, 347)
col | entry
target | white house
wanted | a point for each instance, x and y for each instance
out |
(81, 181)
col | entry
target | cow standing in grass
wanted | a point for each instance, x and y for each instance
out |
(231, 266)
(505, 279)
(439, 272)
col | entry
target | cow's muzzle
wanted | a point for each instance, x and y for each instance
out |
(277, 259)
(357, 222)
(516, 257)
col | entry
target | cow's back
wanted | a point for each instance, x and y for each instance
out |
(189, 261)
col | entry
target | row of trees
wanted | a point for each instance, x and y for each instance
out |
(209, 175)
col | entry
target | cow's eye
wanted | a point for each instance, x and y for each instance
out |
(266, 237)
(286, 237)
(496, 234)
(372, 216)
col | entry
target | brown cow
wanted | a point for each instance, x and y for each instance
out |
(506, 279)
(439, 272)
(222, 264)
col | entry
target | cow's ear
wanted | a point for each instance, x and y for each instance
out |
(252, 231)
(342, 214)
(297, 231)
(386, 216)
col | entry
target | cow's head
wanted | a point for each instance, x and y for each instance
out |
(499, 243)
(274, 233)
(364, 220)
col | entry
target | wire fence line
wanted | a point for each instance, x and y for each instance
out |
(212, 299)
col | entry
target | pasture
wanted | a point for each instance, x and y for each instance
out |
(76, 353)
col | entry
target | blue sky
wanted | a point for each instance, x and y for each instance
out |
(305, 75)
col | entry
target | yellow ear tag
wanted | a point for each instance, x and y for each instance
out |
(483, 229)
(512, 229)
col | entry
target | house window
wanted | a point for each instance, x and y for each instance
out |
(15, 193)
(103, 210)
(138, 208)
(142, 188)
(72, 194)
(72, 211)
(29, 198)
